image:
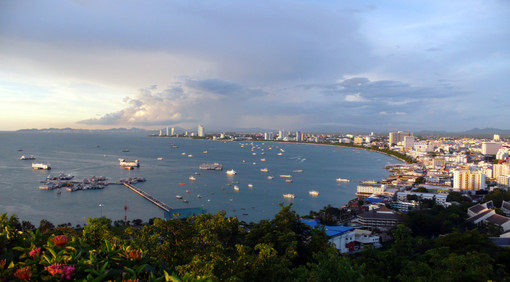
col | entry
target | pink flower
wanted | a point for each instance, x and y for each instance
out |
(68, 271)
(35, 252)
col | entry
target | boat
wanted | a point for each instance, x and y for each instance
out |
(289, 196)
(250, 185)
(279, 154)
(342, 180)
(124, 163)
(231, 172)
(199, 196)
(190, 155)
(125, 150)
(178, 196)
(192, 178)
(187, 191)
(236, 188)
(298, 170)
(182, 184)
(313, 193)
(27, 158)
(43, 166)
(185, 201)
(285, 175)
(270, 177)
(263, 160)
(47, 186)
(159, 159)
(205, 152)
(214, 166)
(289, 180)
(264, 169)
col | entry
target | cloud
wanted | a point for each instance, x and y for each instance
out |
(355, 98)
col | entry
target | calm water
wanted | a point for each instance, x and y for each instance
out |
(88, 154)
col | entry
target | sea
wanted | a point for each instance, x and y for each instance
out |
(167, 163)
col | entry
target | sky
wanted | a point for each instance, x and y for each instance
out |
(269, 65)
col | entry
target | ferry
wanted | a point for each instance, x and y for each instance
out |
(313, 193)
(264, 169)
(124, 163)
(214, 166)
(43, 166)
(342, 180)
(289, 196)
(231, 172)
(27, 158)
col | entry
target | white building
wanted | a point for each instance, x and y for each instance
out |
(491, 148)
(172, 131)
(467, 180)
(299, 136)
(201, 132)
(408, 142)
(268, 136)
(367, 189)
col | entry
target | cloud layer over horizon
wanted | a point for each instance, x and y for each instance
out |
(278, 64)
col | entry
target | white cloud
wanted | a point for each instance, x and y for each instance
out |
(355, 98)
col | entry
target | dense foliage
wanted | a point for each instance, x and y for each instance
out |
(214, 247)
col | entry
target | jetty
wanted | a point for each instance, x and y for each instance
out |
(148, 197)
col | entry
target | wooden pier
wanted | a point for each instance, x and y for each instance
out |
(153, 200)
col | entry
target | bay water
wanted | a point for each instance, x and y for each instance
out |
(312, 167)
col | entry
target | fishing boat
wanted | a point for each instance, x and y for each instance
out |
(342, 180)
(178, 197)
(264, 169)
(192, 178)
(43, 166)
(289, 196)
(313, 193)
(231, 172)
(124, 163)
(27, 158)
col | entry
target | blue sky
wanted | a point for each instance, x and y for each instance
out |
(309, 65)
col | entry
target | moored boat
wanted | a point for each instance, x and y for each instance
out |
(289, 196)
(289, 180)
(342, 180)
(264, 169)
(178, 196)
(231, 172)
(43, 166)
(313, 193)
(124, 163)
(192, 178)
(27, 158)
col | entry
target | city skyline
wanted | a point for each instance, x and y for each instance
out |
(421, 65)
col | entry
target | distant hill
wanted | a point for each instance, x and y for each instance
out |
(68, 129)
(475, 132)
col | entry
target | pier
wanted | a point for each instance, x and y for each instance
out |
(153, 200)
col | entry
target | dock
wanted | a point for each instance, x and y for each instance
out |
(148, 197)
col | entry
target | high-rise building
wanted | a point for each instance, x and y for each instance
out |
(201, 132)
(491, 148)
(467, 180)
(281, 134)
(408, 141)
(392, 139)
(172, 131)
(161, 132)
(167, 131)
(299, 136)
(268, 136)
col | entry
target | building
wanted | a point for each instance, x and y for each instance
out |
(342, 236)
(467, 180)
(299, 136)
(172, 131)
(392, 139)
(367, 189)
(380, 218)
(268, 136)
(358, 140)
(408, 142)
(491, 148)
(201, 132)
(484, 213)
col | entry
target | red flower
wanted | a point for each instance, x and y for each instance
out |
(55, 268)
(2, 263)
(23, 273)
(60, 240)
(133, 255)
(68, 271)
(35, 252)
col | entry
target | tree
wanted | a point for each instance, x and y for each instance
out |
(421, 189)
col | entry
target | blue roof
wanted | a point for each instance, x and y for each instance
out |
(330, 230)
(374, 200)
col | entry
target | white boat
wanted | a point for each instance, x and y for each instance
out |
(264, 169)
(159, 159)
(285, 175)
(214, 166)
(250, 185)
(289, 196)
(27, 158)
(342, 180)
(124, 163)
(298, 170)
(43, 166)
(236, 188)
(231, 172)
(270, 177)
(313, 193)
(178, 196)
(263, 160)
(279, 154)
(192, 178)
